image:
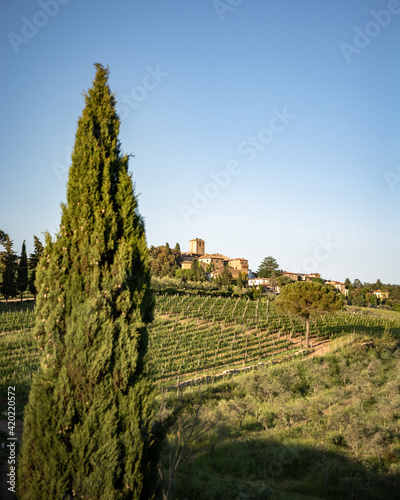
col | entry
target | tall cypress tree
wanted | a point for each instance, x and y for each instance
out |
(22, 272)
(33, 263)
(87, 426)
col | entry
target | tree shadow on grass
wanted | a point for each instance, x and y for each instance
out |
(268, 469)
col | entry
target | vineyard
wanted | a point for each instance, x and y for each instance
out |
(196, 336)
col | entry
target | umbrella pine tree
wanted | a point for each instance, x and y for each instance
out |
(88, 423)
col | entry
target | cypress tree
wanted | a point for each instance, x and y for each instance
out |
(87, 427)
(8, 285)
(22, 272)
(33, 262)
(240, 281)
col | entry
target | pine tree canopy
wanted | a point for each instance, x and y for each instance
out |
(87, 426)
(306, 299)
(268, 267)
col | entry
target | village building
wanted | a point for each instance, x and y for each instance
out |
(240, 264)
(309, 277)
(218, 260)
(301, 276)
(186, 264)
(339, 286)
(380, 294)
(269, 284)
(292, 276)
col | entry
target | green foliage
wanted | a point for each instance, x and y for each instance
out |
(329, 440)
(33, 263)
(210, 267)
(258, 291)
(240, 281)
(8, 286)
(184, 274)
(307, 299)
(22, 271)
(283, 281)
(198, 271)
(87, 426)
(387, 342)
(225, 277)
(164, 261)
(269, 268)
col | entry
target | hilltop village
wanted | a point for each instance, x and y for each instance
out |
(215, 264)
(198, 265)
(241, 265)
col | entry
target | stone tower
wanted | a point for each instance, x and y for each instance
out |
(197, 246)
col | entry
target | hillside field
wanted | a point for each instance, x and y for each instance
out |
(293, 424)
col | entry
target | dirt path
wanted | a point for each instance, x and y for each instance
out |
(319, 347)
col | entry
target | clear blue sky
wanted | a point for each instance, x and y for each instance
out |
(262, 127)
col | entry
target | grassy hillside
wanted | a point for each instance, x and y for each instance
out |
(319, 428)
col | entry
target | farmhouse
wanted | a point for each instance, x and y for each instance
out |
(268, 283)
(380, 294)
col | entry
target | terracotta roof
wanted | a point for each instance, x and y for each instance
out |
(214, 256)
